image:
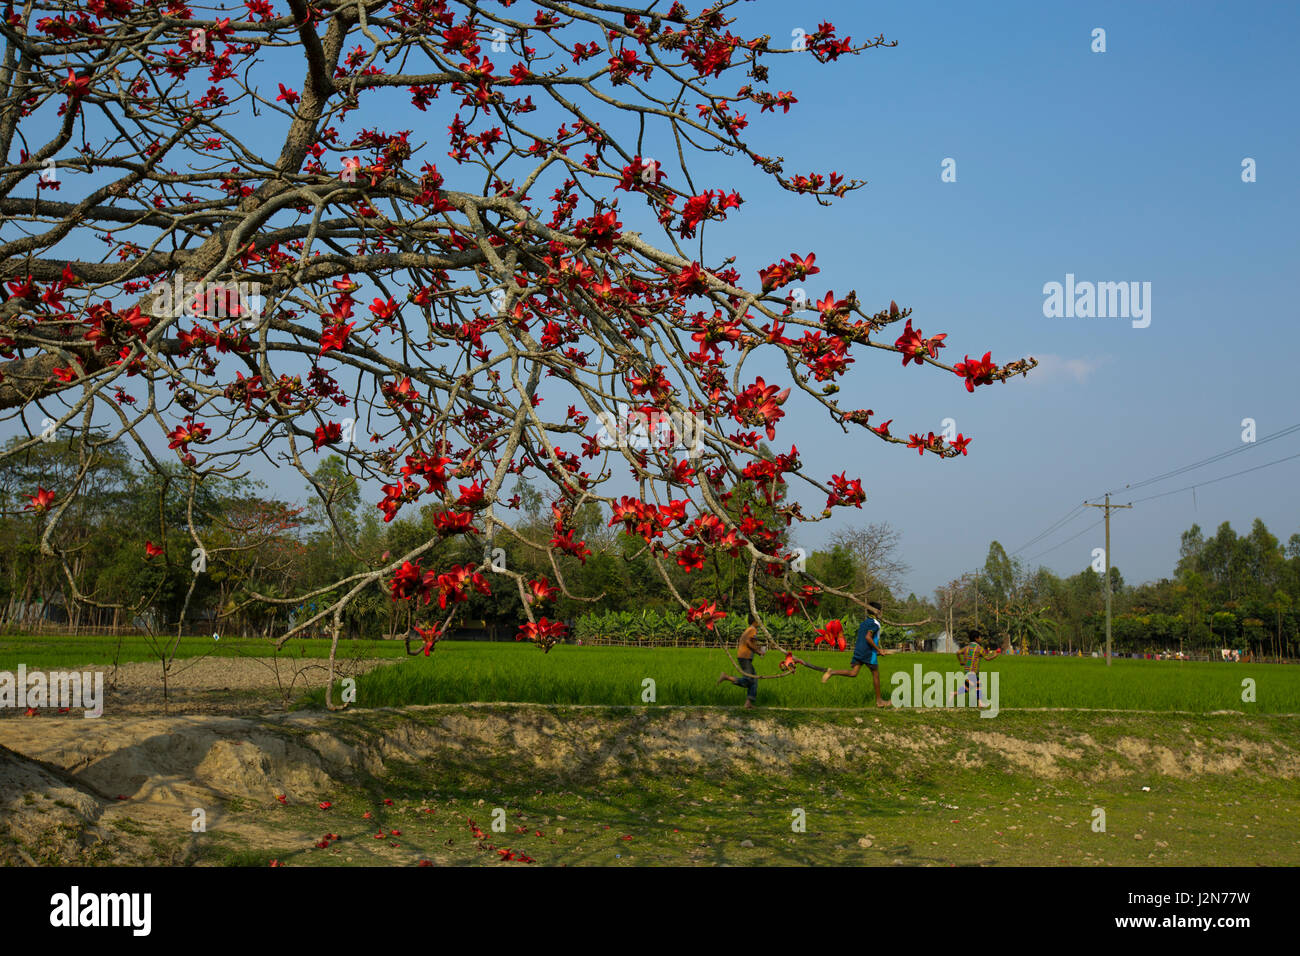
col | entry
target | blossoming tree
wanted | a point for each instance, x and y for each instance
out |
(224, 240)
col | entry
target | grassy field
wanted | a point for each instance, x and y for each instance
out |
(468, 672)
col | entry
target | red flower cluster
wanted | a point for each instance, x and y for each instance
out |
(787, 271)
(760, 404)
(701, 207)
(335, 337)
(600, 230)
(189, 431)
(845, 492)
(545, 634)
(640, 174)
(766, 473)
(710, 530)
(327, 435)
(646, 519)
(411, 581)
(807, 595)
(454, 522)
(706, 614)
(690, 281)
(564, 542)
(931, 442)
(541, 591)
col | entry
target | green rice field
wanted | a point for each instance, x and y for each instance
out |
(468, 672)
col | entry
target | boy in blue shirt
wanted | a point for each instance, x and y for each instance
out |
(866, 650)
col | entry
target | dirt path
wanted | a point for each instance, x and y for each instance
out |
(229, 686)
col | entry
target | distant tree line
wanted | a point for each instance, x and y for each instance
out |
(267, 563)
(1240, 592)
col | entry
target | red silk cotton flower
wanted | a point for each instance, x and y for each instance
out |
(335, 337)
(915, 347)
(41, 501)
(327, 435)
(541, 591)
(832, 634)
(430, 635)
(977, 372)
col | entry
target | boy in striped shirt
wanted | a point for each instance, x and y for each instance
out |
(969, 658)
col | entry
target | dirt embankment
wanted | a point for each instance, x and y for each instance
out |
(123, 789)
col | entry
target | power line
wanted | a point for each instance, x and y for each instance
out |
(1235, 450)
(1077, 510)
(1070, 516)
(1091, 527)
(1165, 494)
(1212, 481)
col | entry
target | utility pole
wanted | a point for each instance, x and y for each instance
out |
(952, 640)
(1108, 506)
(977, 599)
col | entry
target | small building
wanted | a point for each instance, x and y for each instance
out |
(941, 643)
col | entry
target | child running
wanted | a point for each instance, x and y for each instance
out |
(866, 650)
(749, 644)
(969, 658)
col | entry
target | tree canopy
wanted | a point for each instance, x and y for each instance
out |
(416, 234)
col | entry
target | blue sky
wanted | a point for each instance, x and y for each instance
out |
(1115, 166)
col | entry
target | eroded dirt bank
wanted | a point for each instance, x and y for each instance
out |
(124, 789)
